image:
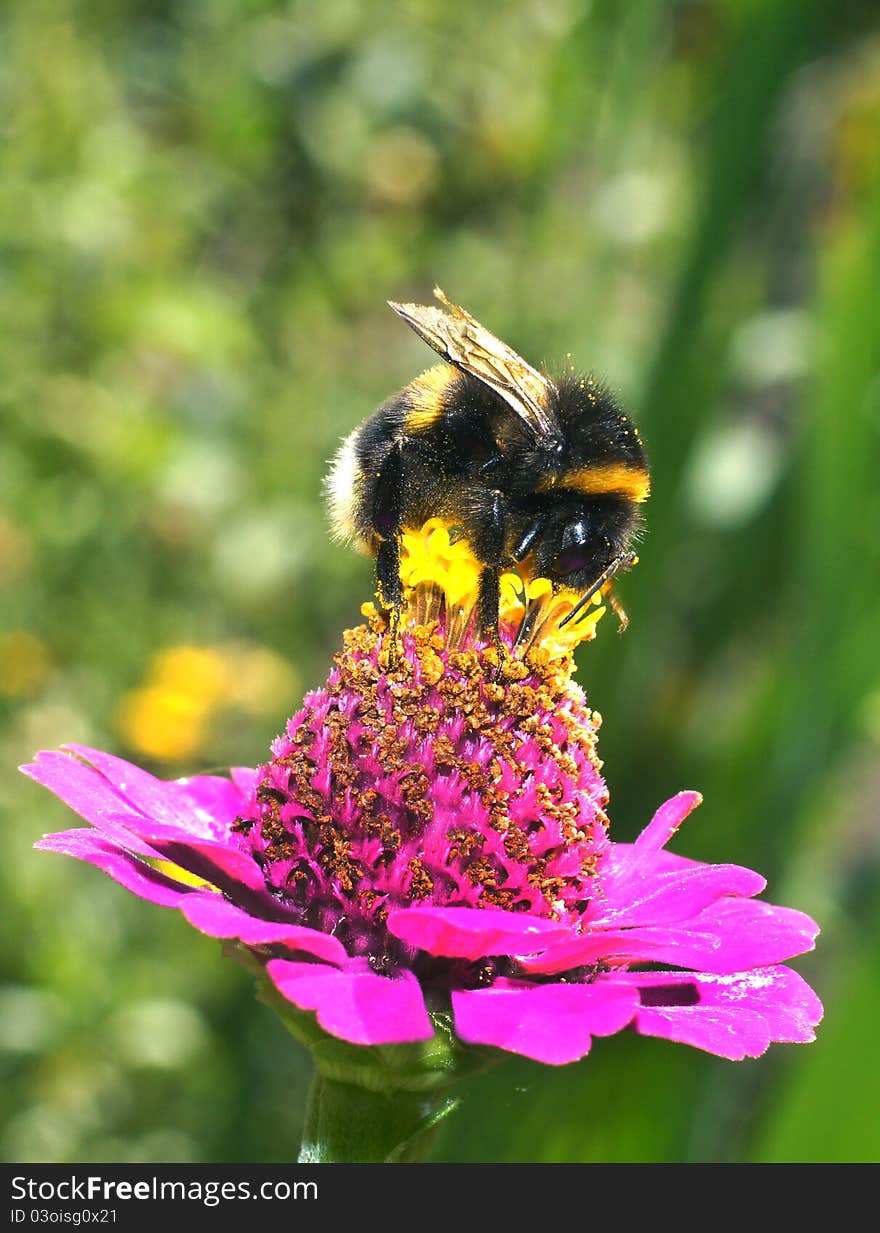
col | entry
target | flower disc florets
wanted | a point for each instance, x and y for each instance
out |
(426, 854)
(425, 775)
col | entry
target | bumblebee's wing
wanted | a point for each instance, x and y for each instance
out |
(461, 340)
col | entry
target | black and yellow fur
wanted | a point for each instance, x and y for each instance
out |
(562, 504)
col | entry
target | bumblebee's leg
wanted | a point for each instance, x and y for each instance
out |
(619, 611)
(521, 550)
(388, 574)
(386, 516)
(528, 539)
(488, 601)
(491, 547)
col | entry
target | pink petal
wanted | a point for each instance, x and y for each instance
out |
(733, 1016)
(245, 779)
(207, 911)
(212, 801)
(732, 936)
(619, 857)
(729, 936)
(223, 864)
(550, 1023)
(473, 933)
(82, 788)
(204, 805)
(141, 879)
(659, 831)
(156, 798)
(218, 918)
(356, 1006)
(653, 897)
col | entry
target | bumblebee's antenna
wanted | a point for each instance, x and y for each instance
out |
(463, 341)
(621, 561)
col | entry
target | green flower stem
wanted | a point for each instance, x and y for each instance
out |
(345, 1122)
(378, 1102)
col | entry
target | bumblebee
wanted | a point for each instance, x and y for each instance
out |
(541, 476)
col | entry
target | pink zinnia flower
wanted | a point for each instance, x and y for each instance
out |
(429, 841)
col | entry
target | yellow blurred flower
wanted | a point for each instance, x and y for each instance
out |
(168, 717)
(260, 682)
(199, 673)
(162, 723)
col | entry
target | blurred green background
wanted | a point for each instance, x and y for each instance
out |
(204, 205)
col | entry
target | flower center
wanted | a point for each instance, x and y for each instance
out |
(441, 579)
(424, 773)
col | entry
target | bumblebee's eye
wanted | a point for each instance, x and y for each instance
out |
(576, 550)
(572, 560)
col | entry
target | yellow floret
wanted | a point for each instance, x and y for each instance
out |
(434, 562)
(431, 556)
